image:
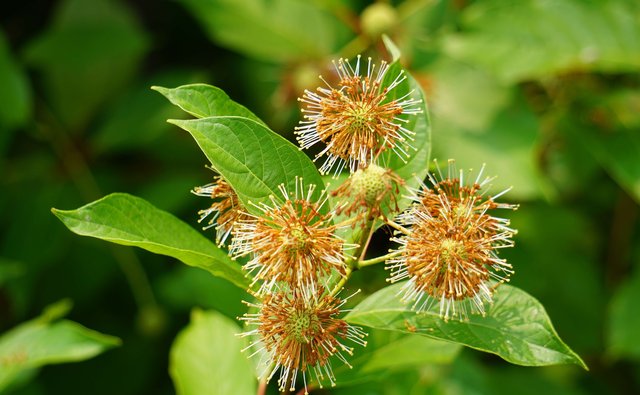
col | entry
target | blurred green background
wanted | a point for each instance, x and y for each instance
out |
(546, 93)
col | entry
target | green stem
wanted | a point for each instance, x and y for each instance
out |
(343, 280)
(398, 227)
(373, 261)
(353, 264)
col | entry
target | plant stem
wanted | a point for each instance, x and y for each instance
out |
(262, 387)
(397, 227)
(373, 261)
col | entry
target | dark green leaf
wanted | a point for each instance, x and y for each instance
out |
(15, 96)
(253, 159)
(416, 167)
(529, 39)
(44, 341)
(206, 359)
(90, 52)
(624, 320)
(274, 30)
(202, 100)
(139, 117)
(618, 153)
(516, 326)
(129, 220)
(481, 121)
(387, 352)
(185, 288)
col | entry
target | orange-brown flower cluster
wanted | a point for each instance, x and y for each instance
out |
(357, 121)
(225, 211)
(292, 242)
(448, 246)
(299, 335)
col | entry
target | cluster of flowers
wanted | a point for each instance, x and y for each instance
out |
(446, 240)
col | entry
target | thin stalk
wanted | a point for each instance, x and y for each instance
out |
(398, 227)
(262, 387)
(373, 261)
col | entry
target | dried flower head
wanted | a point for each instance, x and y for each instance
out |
(300, 334)
(356, 121)
(225, 211)
(449, 243)
(292, 241)
(370, 190)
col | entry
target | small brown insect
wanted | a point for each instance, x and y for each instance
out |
(410, 328)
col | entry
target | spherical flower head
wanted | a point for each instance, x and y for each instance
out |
(225, 211)
(370, 190)
(448, 246)
(300, 334)
(291, 242)
(357, 121)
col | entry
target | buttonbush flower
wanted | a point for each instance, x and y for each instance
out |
(225, 211)
(370, 190)
(291, 241)
(359, 119)
(300, 334)
(448, 246)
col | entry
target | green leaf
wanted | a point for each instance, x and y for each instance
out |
(624, 321)
(129, 220)
(417, 166)
(138, 117)
(387, 352)
(45, 340)
(617, 152)
(206, 358)
(185, 287)
(15, 96)
(253, 159)
(481, 121)
(551, 234)
(515, 328)
(530, 39)
(202, 100)
(88, 54)
(271, 30)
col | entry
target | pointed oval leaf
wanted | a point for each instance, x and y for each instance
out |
(128, 220)
(273, 31)
(202, 100)
(516, 327)
(387, 352)
(253, 159)
(44, 341)
(206, 358)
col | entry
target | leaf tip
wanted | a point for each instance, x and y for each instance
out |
(160, 89)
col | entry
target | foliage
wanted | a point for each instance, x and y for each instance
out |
(543, 92)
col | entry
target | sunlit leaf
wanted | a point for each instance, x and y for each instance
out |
(206, 359)
(529, 39)
(202, 100)
(274, 30)
(129, 220)
(253, 159)
(387, 352)
(516, 326)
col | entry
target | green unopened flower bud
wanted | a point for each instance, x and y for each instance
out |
(378, 18)
(369, 183)
(370, 189)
